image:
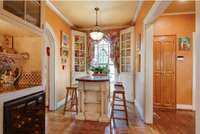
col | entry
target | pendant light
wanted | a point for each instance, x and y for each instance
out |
(96, 34)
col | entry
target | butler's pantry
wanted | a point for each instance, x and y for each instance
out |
(92, 67)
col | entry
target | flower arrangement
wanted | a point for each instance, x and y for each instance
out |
(9, 72)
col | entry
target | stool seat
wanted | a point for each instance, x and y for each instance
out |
(119, 89)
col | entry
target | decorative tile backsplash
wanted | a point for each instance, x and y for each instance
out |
(31, 78)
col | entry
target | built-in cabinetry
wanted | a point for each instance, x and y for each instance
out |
(79, 41)
(127, 61)
(28, 13)
(25, 115)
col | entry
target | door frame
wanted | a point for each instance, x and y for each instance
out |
(49, 41)
(194, 73)
(197, 64)
(157, 9)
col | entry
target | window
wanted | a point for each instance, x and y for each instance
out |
(101, 53)
(102, 57)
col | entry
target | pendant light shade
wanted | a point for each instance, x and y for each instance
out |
(96, 34)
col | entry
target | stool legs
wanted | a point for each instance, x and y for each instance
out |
(123, 100)
(66, 100)
(125, 108)
(73, 101)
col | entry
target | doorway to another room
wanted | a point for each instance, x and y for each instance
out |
(172, 45)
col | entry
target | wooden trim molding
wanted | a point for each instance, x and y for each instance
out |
(184, 107)
(180, 13)
(58, 12)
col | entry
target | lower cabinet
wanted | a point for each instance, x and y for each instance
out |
(25, 115)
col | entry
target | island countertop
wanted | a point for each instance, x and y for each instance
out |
(93, 78)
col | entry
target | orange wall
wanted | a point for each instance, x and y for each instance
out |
(59, 25)
(143, 12)
(180, 25)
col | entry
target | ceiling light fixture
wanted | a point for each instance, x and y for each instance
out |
(96, 34)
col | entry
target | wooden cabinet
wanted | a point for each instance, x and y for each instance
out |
(127, 61)
(33, 12)
(25, 115)
(15, 7)
(79, 41)
(25, 12)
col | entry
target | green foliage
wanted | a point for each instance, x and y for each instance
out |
(100, 69)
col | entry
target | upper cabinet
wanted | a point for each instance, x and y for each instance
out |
(27, 12)
(33, 12)
(79, 41)
(15, 7)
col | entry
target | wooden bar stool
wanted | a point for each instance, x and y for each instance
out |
(119, 91)
(71, 100)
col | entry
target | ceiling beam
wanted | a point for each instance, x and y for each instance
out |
(104, 27)
(58, 12)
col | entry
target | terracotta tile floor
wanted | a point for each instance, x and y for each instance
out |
(165, 122)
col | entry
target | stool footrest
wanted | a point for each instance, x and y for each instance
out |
(123, 110)
(119, 118)
(118, 105)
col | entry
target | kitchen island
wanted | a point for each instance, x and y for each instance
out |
(93, 98)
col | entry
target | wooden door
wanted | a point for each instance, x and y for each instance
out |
(164, 72)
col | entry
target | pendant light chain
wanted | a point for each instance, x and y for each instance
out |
(96, 9)
(96, 35)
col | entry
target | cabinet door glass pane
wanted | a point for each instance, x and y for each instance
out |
(33, 12)
(14, 7)
(79, 42)
(126, 52)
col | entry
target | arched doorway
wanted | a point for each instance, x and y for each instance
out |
(49, 67)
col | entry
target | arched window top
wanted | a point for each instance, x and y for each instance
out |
(101, 52)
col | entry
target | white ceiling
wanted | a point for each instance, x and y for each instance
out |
(112, 13)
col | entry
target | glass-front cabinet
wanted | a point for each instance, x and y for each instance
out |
(15, 7)
(127, 61)
(126, 52)
(79, 41)
(33, 12)
(29, 12)
(79, 57)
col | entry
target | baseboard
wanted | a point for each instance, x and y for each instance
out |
(184, 107)
(139, 110)
(60, 103)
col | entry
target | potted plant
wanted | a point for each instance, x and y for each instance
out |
(99, 70)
